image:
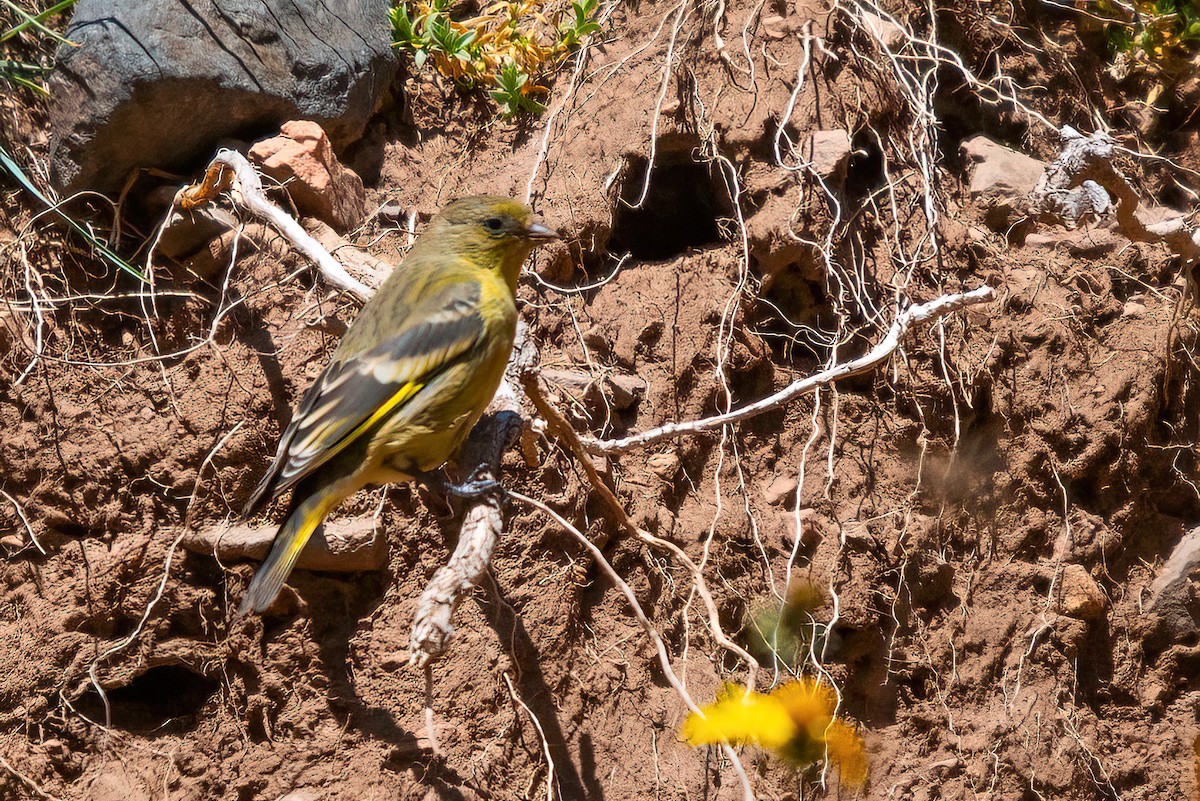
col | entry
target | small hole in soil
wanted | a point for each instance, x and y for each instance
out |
(864, 172)
(681, 210)
(792, 311)
(167, 697)
(75, 531)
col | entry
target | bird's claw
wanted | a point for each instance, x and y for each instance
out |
(474, 488)
(471, 489)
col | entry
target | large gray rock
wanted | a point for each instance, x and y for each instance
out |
(156, 83)
(1173, 613)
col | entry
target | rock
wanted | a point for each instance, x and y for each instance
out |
(304, 794)
(1133, 309)
(779, 491)
(346, 546)
(621, 390)
(811, 527)
(216, 254)
(664, 465)
(186, 231)
(855, 534)
(999, 169)
(886, 31)
(1000, 179)
(302, 159)
(828, 152)
(1173, 611)
(1079, 596)
(158, 83)
(776, 27)
(624, 389)
(201, 238)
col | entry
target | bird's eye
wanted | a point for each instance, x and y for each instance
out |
(493, 223)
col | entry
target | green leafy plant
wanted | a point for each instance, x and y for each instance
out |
(509, 49)
(1157, 39)
(510, 94)
(453, 44)
(582, 25)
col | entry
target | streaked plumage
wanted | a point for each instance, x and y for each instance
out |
(410, 378)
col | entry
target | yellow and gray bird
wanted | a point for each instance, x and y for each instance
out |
(410, 378)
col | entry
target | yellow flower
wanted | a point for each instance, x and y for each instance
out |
(795, 721)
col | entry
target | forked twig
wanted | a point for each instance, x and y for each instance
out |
(905, 320)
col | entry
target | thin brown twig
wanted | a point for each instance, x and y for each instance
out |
(28, 782)
(541, 735)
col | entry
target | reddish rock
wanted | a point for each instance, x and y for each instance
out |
(1079, 595)
(302, 158)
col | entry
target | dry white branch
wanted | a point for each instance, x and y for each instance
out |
(905, 320)
(255, 200)
(1076, 187)
(482, 522)
(432, 627)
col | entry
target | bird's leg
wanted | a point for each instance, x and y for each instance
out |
(474, 487)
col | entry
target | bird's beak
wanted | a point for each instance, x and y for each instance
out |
(540, 233)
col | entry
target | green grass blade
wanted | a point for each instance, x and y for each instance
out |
(36, 21)
(105, 252)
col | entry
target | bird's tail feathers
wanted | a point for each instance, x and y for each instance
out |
(286, 548)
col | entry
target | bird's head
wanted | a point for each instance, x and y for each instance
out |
(493, 231)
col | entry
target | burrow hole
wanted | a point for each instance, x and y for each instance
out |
(682, 208)
(169, 697)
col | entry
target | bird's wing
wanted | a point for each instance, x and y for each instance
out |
(354, 394)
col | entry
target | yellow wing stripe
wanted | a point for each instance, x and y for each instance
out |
(404, 393)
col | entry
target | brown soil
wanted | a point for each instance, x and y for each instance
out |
(1044, 437)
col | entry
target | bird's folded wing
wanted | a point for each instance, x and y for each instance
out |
(353, 395)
